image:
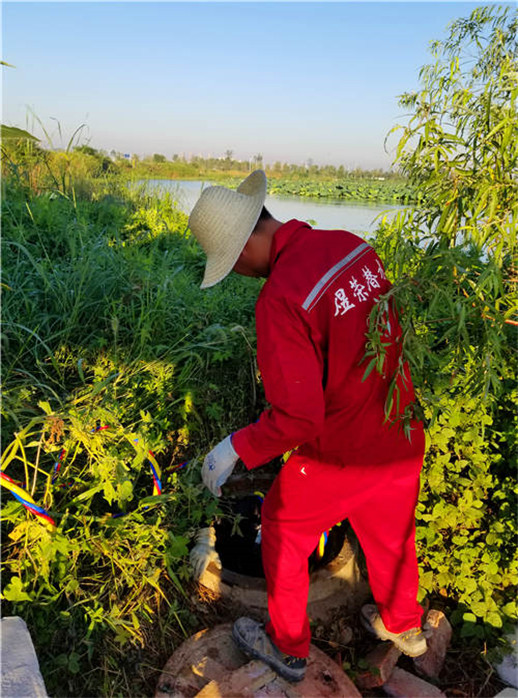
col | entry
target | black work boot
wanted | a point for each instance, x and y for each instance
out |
(251, 637)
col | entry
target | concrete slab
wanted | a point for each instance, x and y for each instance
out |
(508, 693)
(507, 670)
(209, 665)
(20, 671)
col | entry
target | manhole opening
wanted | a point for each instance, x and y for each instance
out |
(238, 538)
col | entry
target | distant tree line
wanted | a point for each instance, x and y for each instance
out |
(197, 165)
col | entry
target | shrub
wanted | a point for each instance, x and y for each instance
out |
(104, 324)
(455, 285)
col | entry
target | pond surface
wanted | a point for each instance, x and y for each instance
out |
(330, 214)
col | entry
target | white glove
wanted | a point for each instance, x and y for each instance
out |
(204, 551)
(218, 465)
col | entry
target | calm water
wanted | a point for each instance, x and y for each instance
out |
(355, 217)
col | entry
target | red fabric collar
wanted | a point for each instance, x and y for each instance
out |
(282, 237)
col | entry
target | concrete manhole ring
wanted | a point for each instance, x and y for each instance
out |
(209, 665)
(339, 583)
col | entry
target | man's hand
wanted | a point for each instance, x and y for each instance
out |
(204, 551)
(218, 466)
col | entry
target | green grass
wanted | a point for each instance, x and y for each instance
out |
(104, 323)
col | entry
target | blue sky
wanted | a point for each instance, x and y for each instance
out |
(291, 81)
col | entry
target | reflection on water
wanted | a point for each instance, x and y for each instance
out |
(357, 217)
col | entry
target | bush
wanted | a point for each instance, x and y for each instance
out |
(455, 285)
(104, 324)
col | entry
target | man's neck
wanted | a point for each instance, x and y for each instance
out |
(266, 231)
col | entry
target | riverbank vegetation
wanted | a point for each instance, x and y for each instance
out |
(308, 180)
(107, 339)
(453, 262)
(292, 180)
(114, 360)
(159, 166)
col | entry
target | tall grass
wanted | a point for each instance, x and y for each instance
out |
(104, 324)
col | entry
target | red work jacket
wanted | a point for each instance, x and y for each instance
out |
(311, 320)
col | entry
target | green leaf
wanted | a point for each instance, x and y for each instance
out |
(510, 609)
(469, 584)
(468, 630)
(125, 491)
(98, 386)
(479, 608)
(369, 368)
(73, 663)
(45, 406)
(494, 619)
(10, 133)
(177, 546)
(88, 494)
(15, 591)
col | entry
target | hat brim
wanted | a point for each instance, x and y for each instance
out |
(218, 266)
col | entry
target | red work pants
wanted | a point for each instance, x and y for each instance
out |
(309, 497)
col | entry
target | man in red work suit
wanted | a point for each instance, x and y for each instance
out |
(349, 461)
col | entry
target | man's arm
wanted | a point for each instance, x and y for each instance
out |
(292, 369)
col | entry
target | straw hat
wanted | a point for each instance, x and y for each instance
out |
(222, 221)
